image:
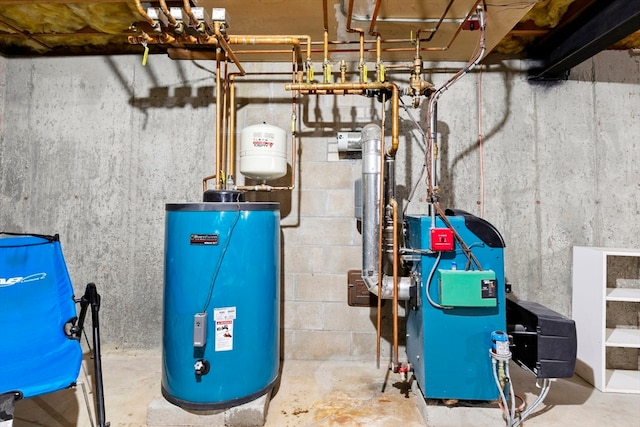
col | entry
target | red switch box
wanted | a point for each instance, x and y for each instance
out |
(442, 239)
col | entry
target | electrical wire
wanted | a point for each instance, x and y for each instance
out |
(480, 141)
(512, 393)
(546, 386)
(500, 389)
(424, 165)
(509, 408)
(427, 291)
(470, 256)
(220, 259)
(515, 5)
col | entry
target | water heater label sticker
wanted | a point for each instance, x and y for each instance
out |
(224, 318)
(224, 335)
(204, 239)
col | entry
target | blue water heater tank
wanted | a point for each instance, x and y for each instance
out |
(221, 325)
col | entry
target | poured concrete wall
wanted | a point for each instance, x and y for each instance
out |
(93, 147)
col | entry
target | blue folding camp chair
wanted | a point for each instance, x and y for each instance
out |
(40, 340)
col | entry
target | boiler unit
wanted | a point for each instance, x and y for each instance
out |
(458, 301)
(221, 342)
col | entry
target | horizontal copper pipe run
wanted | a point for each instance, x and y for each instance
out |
(262, 187)
(293, 40)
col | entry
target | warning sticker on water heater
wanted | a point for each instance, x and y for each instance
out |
(224, 318)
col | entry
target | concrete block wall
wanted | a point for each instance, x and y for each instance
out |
(93, 147)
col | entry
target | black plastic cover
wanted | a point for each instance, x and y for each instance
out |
(480, 227)
(223, 196)
(543, 341)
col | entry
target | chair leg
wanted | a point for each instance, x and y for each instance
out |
(92, 298)
(7, 409)
(86, 402)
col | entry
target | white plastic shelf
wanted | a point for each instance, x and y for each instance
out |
(590, 298)
(622, 337)
(622, 381)
(623, 294)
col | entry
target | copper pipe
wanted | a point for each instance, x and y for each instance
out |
(349, 15)
(394, 206)
(232, 126)
(146, 17)
(376, 10)
(312, 87)
(361, 39)
(204, 181)
(293, 40)
(162, 38)
(265, 187)
(379, 66)
(325, 16)
(294, 118)
(167, 13)
(395, 100)
(361, 63)
(218, 119)
(326, 46)
(435, 29)
(231, 55)
(223, 42)
(263, 51)
(223, 151)
(358, 88)
(186, 5)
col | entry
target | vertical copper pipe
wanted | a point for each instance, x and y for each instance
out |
(294, 119)
(395, 120)
(361, 62)
(394, 206)
(232, 126)
(326, 46)
(223, 150)
(325, 17)
(218, 119)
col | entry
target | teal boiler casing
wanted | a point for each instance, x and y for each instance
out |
(449, 348)
(222, 272)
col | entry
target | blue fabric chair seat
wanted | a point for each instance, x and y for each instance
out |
(37, 353)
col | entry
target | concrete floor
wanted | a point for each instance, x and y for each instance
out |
(332, 393)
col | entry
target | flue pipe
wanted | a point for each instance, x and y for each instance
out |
(385, 287)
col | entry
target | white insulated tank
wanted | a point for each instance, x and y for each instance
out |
(263, 152)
